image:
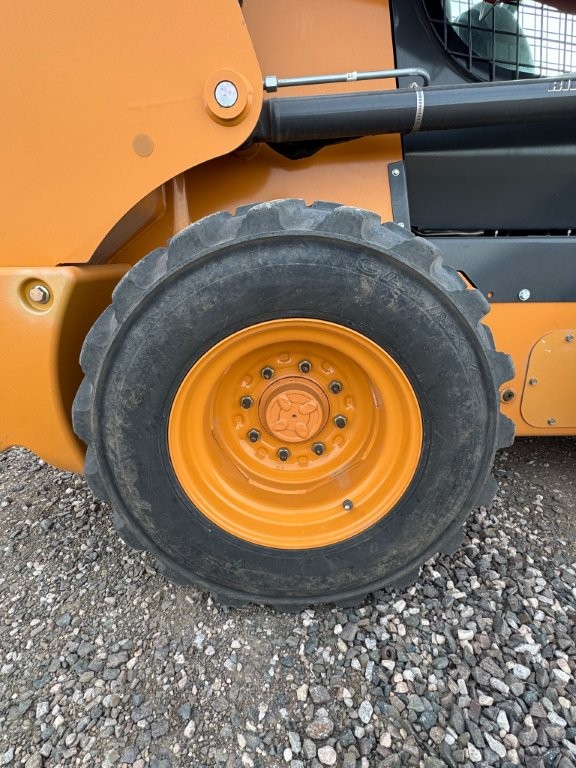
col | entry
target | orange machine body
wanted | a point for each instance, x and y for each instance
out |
(115, 141)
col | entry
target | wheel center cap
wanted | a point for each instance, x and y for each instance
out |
(294, 409)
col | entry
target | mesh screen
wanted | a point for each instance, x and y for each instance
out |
(507, 40)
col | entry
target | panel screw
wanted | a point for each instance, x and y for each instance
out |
(253, 435)
(340, 421)
(39, 294)
(508, 395)
(318, 448)
(305, 366)
(524, 294)
(335, 387)
(267, 372)
(569, 338)
(551, 422)
(533, 382)
(348, 505)
(395, 172)
(283, 454)
(246, 402)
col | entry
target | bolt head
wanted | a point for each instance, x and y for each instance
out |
(524, 294)
(246, 402)
(305, 366)
(395, 172)
(340, 421)
(551, 422)
(39, 294)
(533, 382)
(283, 454)
(508, 395)
(267, 372)
(347, 505)
(226, 94)
(318, 448)
(335, 387)
(569, 338)
(253, 435)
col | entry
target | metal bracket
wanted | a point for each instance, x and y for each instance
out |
(272, 83)
(399, 195)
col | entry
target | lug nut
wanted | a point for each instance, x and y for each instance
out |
(318, 448)
(253, 435)
(348, 505)
(246, 402)
(335, 387)
(305, 366)
(340, 421)
(283, 454)
(39, 294)
(267, 372)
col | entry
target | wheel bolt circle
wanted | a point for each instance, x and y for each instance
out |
(318, 448)
(335, 387)
(283, 454)
(253, 435)
(246, 402)
(267, 372)
(305, 366)
(340, 421)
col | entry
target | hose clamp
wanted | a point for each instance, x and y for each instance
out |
(420, 104)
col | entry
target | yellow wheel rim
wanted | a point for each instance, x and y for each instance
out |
(295, 434)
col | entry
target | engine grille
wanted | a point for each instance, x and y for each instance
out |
(510, 40)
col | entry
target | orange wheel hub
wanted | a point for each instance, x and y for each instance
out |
(295, 434)
(293, 409)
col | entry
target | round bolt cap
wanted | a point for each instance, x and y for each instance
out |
(305, 366)
(39, 294)
(283, 454)
(226, 94)
(335, 387)
(347, 505)
(246, 402)
(508, 395)
(267, 372)
(533, 382)
(551, 422)
(395, 172)
(318, 448)
(524, 294)
(253, 435)
(340, 421)
(569, 338)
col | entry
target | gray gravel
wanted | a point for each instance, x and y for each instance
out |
(102, 663)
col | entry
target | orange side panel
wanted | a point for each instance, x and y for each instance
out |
(518, 329)
(295, 38)
(40, 351)
(102, 103)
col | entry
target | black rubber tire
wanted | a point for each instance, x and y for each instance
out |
(228, 272)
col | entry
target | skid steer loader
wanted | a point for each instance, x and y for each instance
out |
(281, 277)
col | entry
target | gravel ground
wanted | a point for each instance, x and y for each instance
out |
(102, 663)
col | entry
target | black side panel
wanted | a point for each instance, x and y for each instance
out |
(505, 178)
(501, 267)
